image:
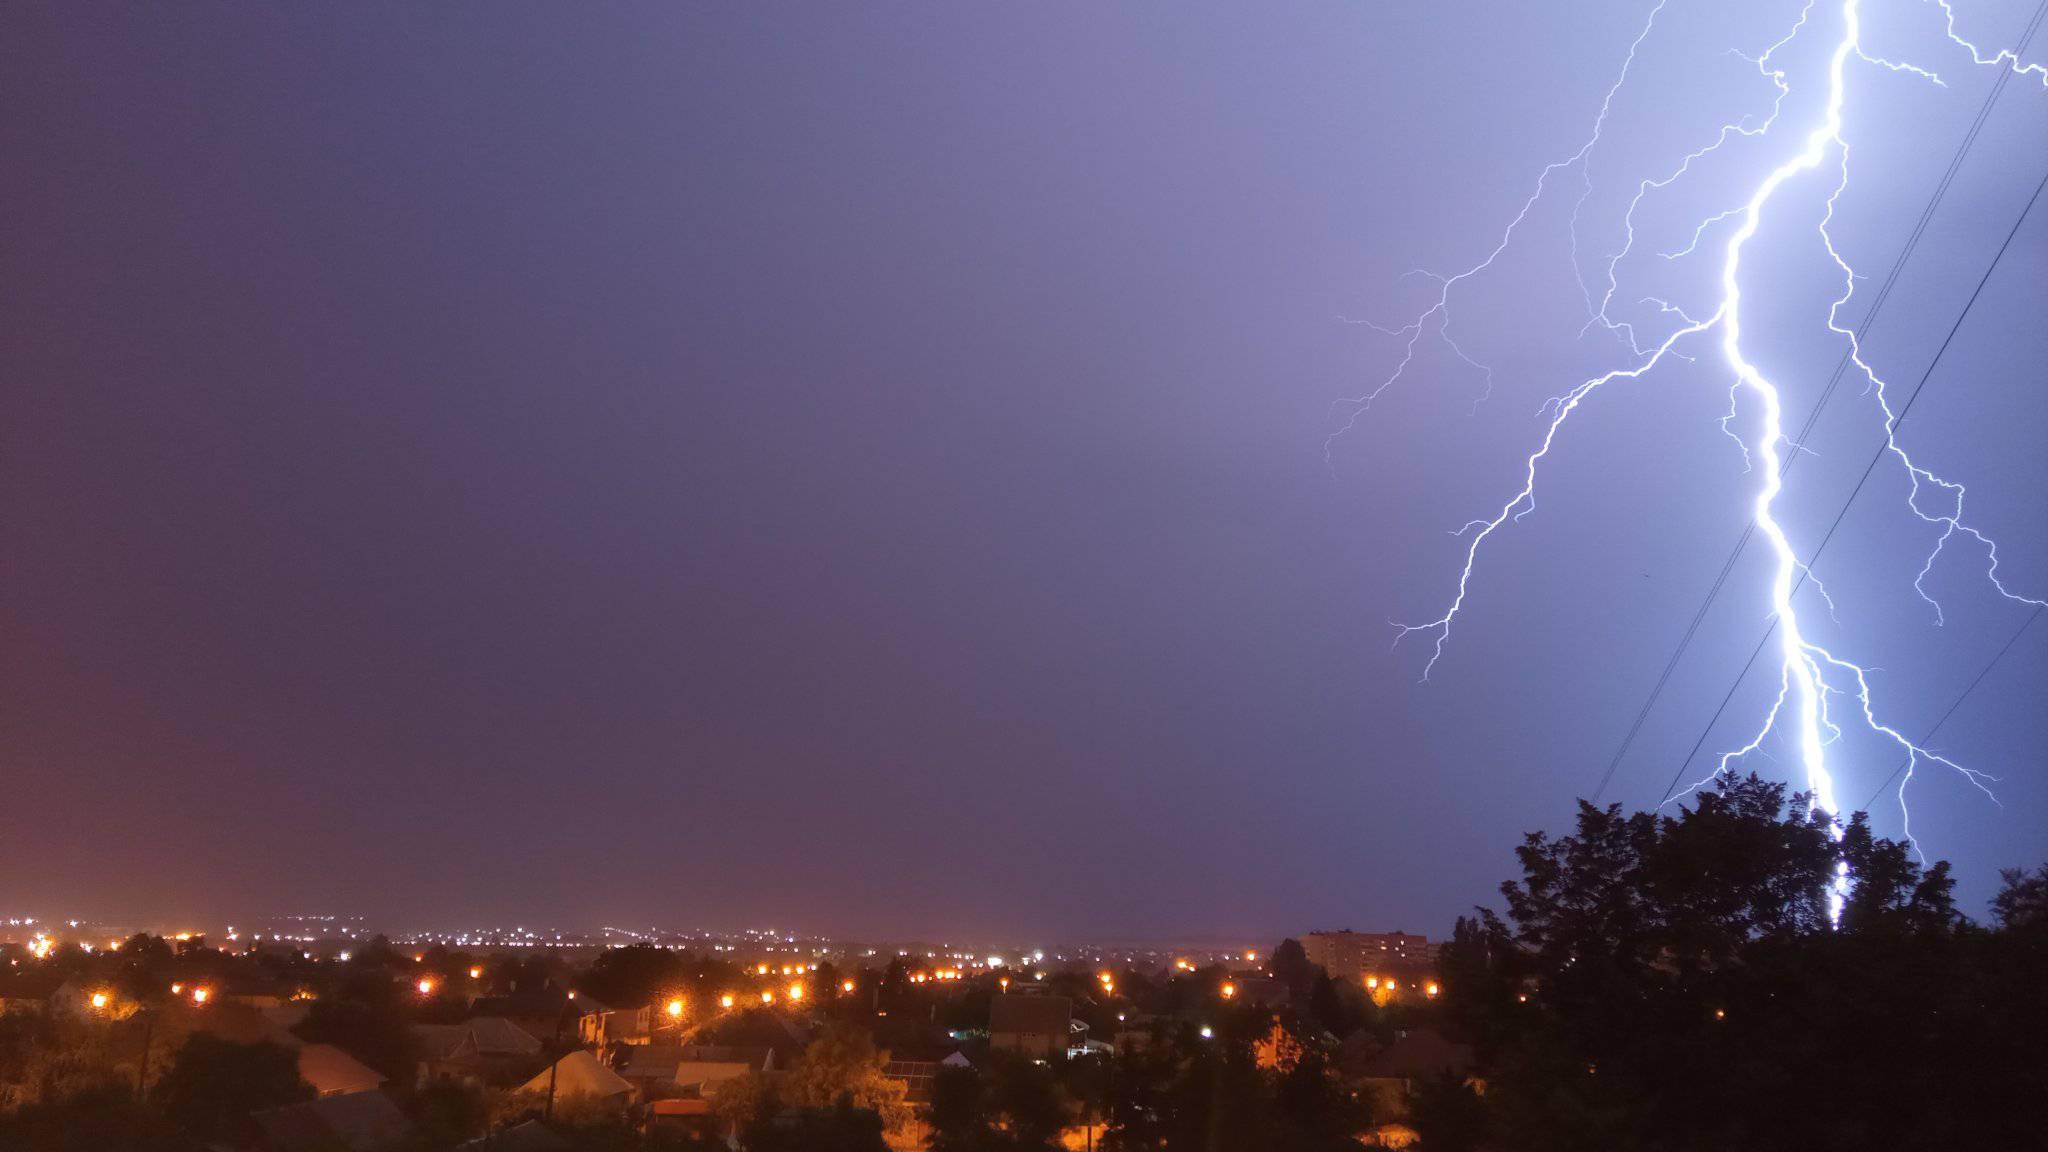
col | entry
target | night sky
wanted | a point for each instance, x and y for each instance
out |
(860, 467)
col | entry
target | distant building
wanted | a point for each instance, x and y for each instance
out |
(1036, 1026)
(1352, 956)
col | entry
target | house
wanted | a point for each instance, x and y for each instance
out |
(917, 1067)
(579, 1076)
(333, 1072)
(665, 1071)
(624, 1026)
(51, 992)
(1036, 1026)
(548, 1013)
(690, 1119)
(353, 1122)
(480, 1050)
(1392, 1073)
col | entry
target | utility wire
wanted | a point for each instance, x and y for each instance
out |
(1865, 478)
(1993, 663)
(1841, 369)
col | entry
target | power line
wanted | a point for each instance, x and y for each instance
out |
(1869, 469)
(1993, 663)
(1841, 368)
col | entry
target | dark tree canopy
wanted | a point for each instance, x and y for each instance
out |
(1677, 982)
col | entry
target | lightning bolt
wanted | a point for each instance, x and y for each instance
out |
(1813, 681)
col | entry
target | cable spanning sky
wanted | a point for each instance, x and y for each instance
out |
(1801, 137)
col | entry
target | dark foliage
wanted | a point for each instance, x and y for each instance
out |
(1675, 983)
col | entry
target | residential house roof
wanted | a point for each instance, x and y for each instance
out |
(580, 1074)
(1416, 1054)
(333, 1072)
(1035, 1015)
(356, 1122)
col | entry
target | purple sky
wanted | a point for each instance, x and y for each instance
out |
(860, 466)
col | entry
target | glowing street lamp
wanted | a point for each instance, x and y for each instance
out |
(426, 987)
(201, 995)
(1229, 990)
(725, 1001)
(675, 1008)
(767, 997)
(476, 973)
(99, 1001)
(847, 987)
(796, 991)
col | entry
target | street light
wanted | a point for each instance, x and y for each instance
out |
(725, 1001)
(426, 987)
(675, 1008)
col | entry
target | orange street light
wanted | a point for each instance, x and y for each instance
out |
(200, 995)
(796, 991)
(725, 1001)
(99, 1000)
(767, 997)
(476, 973)
(675, 1008)
(426, 987)
(1430, 989)
(848, 986)
(1229, 990)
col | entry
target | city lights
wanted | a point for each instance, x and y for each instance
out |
(675, 1008)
